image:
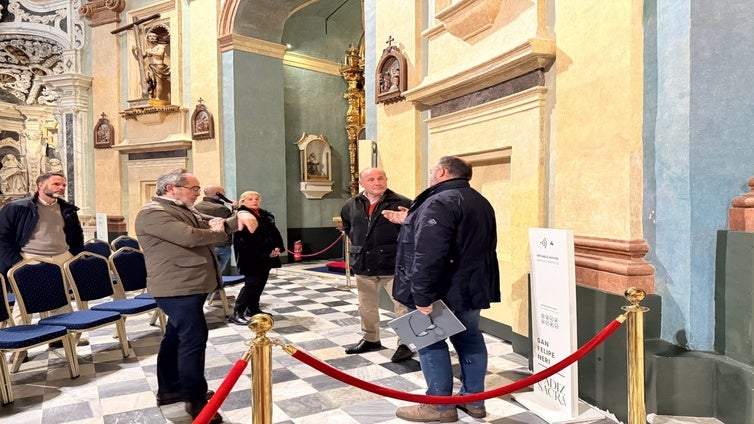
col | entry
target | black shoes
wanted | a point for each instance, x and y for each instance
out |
(238, 318)
(364, 346)
(402, 353)
(194, 409)
(169, 398)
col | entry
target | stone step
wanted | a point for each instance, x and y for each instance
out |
(669, 419)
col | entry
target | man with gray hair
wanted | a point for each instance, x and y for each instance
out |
(447, 251)
(181, 271)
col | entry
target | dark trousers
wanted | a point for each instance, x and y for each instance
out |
(180, 360)
(248, 297)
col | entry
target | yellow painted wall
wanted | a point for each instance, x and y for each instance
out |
(106, 78)
(503, 139)
(204, 65)
(597, 173)
(398, 124)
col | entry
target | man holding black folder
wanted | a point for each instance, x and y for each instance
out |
(447, 251)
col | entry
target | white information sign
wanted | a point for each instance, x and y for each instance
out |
(101, 221)
(553, 291)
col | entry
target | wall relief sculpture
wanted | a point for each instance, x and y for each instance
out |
(391, 74)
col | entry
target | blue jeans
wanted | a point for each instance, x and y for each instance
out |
(180, 360)
(223, 256)
(472, 356)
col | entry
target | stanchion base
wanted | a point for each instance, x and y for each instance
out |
(543, 407)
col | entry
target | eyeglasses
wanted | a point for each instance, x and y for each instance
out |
(432, 326)
(195, 189)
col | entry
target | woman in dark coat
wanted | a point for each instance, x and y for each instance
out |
(256, 254)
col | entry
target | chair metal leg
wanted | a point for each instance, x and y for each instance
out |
(121, 326)
(70, 353)
(18, 359)
(163, 320)
(154, 319)
(224, 300)
(5, 382)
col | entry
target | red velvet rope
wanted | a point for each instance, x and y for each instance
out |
(222, 393)
(476, 397)
(321, 251)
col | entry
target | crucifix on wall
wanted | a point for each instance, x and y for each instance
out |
(154, 72)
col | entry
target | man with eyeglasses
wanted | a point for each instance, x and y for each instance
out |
(447, 250)
(181, 271)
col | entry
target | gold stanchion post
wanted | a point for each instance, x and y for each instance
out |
(261, 370)
(637, 413)
(346, 253)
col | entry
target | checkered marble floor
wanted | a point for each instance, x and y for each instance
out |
(312, 311)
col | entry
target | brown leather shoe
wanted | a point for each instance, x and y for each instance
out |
(424, 413)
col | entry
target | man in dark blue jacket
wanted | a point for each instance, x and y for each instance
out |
(24, 234)
(374, 240)
(41, 226)
(447, 251)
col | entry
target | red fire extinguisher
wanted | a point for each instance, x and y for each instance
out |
(298, 247)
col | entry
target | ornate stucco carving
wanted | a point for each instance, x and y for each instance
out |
(101, 12)
(467, 18)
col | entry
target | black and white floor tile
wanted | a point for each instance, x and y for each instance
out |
(311, 310)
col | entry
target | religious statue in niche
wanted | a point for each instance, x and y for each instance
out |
(12, 175)
(316, 166)
(391, 74)
(152, 53)
(103, 133)
(156, 67)
(202, 123)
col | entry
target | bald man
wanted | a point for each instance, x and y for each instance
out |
(213, 205)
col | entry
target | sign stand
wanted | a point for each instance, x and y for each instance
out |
(553, 279)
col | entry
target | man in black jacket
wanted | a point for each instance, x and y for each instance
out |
(447, 250)
(214, 206)
(41, 226)
(373, 244)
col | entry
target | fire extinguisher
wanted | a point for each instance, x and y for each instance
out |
(298, 247)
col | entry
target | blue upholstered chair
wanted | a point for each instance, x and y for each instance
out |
(19, 338)
(98, 246)
(125, 241)
(39, 287)
(130, 272)
(90, 278)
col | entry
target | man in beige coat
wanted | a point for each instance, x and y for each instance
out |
(181, 271)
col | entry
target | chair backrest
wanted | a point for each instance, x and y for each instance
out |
(130, 268)
(89, 275)
(39, 285)
(4, 307)
(125, 241)
(98, 246)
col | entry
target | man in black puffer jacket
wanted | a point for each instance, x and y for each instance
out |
(373, 244)
(447, 251)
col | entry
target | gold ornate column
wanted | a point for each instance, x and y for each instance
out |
(353, 72)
